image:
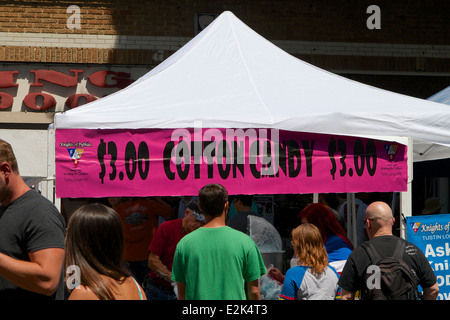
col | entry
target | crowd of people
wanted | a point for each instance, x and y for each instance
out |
(121, 250)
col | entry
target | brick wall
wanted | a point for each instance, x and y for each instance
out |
(146, 31)
(403, 21)
(332, 34)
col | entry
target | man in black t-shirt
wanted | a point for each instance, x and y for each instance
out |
(31, 237)
(379, 222)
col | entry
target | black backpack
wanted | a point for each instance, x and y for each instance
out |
(389, 278)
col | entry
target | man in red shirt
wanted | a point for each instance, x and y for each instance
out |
(158, 283)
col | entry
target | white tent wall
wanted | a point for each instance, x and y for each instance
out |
(35, 153)
(442, 188)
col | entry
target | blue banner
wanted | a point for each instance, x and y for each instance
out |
(431, 234)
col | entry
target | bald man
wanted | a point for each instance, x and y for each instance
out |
(379, 222)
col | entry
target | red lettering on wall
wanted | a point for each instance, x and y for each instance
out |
(6, 100)
(48, 101)
(7, 79)
(74, 100)
(40, 101)
(55, 77)
(120, 79)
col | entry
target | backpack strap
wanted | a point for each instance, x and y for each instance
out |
(399, 249)
(371, 251)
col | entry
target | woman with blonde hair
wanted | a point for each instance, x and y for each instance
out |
(313, 278)
(94, 245)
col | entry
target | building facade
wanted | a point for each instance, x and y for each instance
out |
(56, 55)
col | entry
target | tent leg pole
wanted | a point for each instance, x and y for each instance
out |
(405, 210)
(406, 197)
(51, 171)
(351, 219)
(315, 198)
(354, 219)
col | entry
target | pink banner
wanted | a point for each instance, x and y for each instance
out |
(178, 162)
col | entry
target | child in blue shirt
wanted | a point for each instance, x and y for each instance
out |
(313, 278)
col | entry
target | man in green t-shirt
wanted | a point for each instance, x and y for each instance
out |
(216, 262)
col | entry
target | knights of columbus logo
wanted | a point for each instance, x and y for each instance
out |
(391, 150)
(75, 154)
(415, 226)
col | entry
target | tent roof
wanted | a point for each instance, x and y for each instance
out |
(442, 96)
(228, 76)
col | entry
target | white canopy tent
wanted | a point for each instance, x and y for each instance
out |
(442, 96)
(228, 76)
